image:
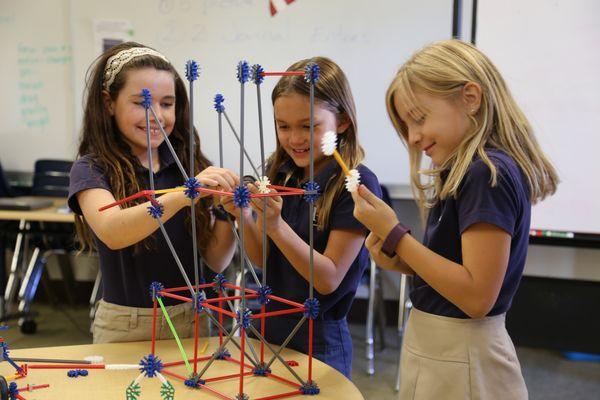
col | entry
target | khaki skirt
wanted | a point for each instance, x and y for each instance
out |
(451, 359)
(116, 323)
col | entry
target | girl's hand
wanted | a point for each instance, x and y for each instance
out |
(373, 213)
(373, 244)
(273, 210)
(231, 208)
(219, 178)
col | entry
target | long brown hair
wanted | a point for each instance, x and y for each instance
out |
(102, 140)
(332, 91)
(442, 69)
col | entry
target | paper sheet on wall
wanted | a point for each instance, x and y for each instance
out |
(110, 32)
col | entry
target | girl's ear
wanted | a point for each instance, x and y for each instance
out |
(343, 123)
(108, 103)
(471, 96)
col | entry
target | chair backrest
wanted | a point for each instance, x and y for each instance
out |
(51, 178)
(5, 190)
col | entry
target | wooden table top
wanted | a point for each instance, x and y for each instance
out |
(111, 384)
(49, 214)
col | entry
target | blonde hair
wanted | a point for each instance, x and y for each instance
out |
(442, 69)
(332, 91)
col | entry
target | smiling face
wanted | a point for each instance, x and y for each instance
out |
(436, 126)
(292, 120)
(130, 115)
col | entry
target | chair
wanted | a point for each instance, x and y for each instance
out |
(51, 178)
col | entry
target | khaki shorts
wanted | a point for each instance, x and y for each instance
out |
(115, 323)
(452, 358)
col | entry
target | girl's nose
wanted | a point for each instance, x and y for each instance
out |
(414, 137)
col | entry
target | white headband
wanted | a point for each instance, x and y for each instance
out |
(115, 63)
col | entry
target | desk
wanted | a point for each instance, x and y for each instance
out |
(111, 384)
(49, 214)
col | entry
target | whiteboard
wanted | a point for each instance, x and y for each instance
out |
(368, 39)
(549, 54)
(36, 79)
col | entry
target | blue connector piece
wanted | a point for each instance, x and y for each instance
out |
(191, 187)
(155, 288)
(311, 308)
(219, 99)
(243, 317)
(146, 98)
(219, 281)
(261, 370)
(312, 191)
(263, 293)
(74, 373)
(156, 211)
(222, 355)
(243, 71)
(82, 372)
(256, 72)
(311, 73)
(310, 388)
(13, 391)
(241, 197)
(191, 70)
(150, 365)
(194, 381)
(201, 298)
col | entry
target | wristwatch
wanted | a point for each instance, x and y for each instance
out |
(393, 238)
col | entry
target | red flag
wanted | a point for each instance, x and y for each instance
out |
(278, 5)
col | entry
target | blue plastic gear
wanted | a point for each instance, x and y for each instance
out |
(194, 381)
(310, 388)
(72, 373)
(219, 281)
(311, 308)
(191, 70)
(222, 355)
(155, 288)
(199, 300)
(243, 71)
(82, 372)
(261, 370)
(156, 211)
(146, 98)
(243, 317)
(311, 73)
(191, 187)
(241, 197)
(263, 293)
(256, 72)
(314, 191)
(150, 365)
(219, 99)
(13, 390)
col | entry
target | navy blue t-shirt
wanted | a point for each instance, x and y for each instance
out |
(127, 274)
(506, 205)
(283, 277)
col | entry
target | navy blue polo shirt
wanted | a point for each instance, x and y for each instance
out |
(283, 278)
(507, 206)
(126, 274)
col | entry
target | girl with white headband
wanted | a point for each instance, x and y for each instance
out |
(112, 164)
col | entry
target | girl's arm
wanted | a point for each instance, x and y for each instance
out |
(374, 243)
(252, 235)
(119, 228)
(221, 248)
(330, 267)
(473, 286)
